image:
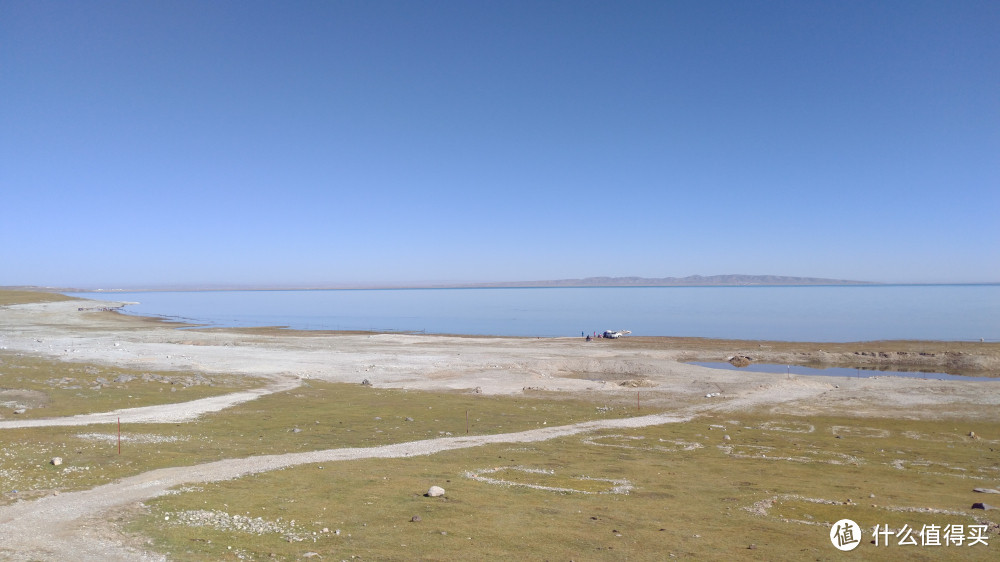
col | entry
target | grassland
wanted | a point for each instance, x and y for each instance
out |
(8, 297)
(771, 492)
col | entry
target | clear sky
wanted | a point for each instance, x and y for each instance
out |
(344, 142)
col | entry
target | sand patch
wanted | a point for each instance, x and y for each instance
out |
(928, 437)
(795, 502)
(639, 442)
(130, 437)
(804, 456)
(945, 469)
(618, 486)
(788, 427)
(868, 432)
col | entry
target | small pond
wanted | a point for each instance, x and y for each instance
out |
(837, 371)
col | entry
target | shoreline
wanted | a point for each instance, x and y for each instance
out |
(497, 365)
(955, 357)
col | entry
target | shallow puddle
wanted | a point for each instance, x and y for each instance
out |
(836, 371)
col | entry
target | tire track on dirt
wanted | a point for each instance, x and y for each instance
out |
(161, 413)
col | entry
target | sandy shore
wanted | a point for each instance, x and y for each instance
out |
(514, 365)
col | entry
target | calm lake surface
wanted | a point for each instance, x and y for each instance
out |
(810, 313)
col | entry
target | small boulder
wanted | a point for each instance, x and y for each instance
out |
(434, 492)
(366, 382)
(415, 519)
(20, 411)
(985, 506)
(56, 461)
(986, 490)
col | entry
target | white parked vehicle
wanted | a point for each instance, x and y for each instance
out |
(615, 335)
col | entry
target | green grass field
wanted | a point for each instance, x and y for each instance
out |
(692, 495)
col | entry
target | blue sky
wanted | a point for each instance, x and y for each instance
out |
(330, 143)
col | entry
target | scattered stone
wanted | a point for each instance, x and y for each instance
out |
(366, 382)
(986, 490)
(56, 461)
(973, 435)
(435, 491)
(124, 378)
(311, 554)
(409, 418)
(20, 411)
(713, 394)
(726, 438)
(415, 519)
(296, 430)
(752, 547)
(479, 390)
(984, 506)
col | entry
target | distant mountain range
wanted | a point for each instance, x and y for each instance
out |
(690, 281)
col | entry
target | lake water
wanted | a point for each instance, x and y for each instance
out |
(800, 313)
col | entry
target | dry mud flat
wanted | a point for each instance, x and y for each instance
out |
(67, 525)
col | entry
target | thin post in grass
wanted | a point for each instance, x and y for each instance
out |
(466, 422)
